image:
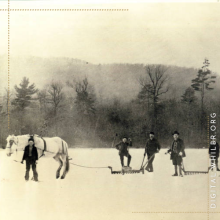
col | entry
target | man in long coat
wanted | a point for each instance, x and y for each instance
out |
(31, 156)
(152, 147)
(177, 151)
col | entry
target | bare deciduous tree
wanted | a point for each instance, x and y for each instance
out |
(56, 96)
(154, 84)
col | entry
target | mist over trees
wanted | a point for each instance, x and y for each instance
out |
(87, 104)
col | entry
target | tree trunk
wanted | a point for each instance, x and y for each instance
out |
(154, 125)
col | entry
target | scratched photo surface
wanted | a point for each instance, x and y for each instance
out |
(109, 111)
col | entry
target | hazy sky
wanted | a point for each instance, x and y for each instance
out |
(180, 34)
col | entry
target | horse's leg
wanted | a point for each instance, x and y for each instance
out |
(66, 165)
(57, 158)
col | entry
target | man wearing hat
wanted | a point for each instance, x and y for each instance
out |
(31, 156)
(123, 150)
(177, 151)
(152, 147)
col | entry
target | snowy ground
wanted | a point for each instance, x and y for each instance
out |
(96, 194)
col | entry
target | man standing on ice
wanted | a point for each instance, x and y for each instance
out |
(152, 147)
(31, 156)
(177, 151)
(123, 150)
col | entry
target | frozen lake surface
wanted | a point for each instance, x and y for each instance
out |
(97, 194)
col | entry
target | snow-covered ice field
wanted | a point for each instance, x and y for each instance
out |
(97, 194)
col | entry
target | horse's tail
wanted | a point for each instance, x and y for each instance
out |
(67, 159)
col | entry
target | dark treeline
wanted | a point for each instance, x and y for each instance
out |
(71, 108)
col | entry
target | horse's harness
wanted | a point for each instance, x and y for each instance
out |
(45, 147)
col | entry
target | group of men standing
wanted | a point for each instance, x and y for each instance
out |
(177, 151)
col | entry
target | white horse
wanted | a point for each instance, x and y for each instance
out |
(49, 147)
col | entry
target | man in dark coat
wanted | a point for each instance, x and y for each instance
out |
(177, 151)
(124, 151)
(31, 156)
(152, 147)
(214, 153)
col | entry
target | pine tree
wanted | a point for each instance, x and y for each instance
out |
(189, 96)
(85, 97)
(24, 94)
(202, 83)
(23, 98)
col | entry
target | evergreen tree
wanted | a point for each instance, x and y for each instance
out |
(85, 97)
(189, 96)
(22, 100)
(202, 83)
(24, 94)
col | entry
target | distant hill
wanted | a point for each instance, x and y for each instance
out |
(109, 80)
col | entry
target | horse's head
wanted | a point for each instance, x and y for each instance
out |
(16, 143)
(11, 141)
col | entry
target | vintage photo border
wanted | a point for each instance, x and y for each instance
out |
(208, 212)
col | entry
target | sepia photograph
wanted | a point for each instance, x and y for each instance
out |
(109, 110)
